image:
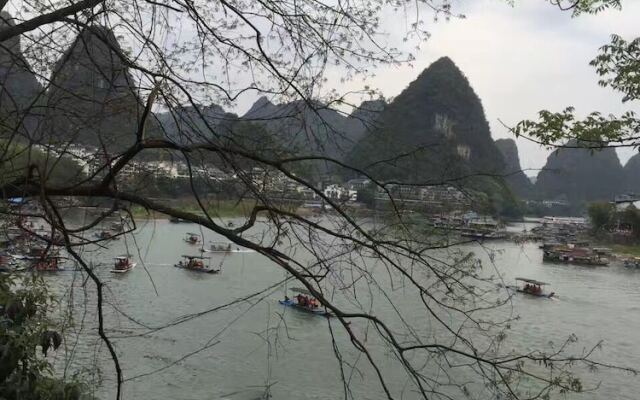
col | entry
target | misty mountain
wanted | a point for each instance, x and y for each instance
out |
(20, 92)
(190, 124)
(93, 98)
(631, 172)
(314, 128)
(515, 178)
(581, 175)
(434, 130)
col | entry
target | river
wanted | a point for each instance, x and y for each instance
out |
(242, 351)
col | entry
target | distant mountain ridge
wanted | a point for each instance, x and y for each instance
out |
(435, 130)
(315, 128)
(190, 124)
(581, 175)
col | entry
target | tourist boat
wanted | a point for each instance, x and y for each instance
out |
(47, 264)
(196, 264)
(633, 262)
(123, 264)
(305, 302)
(117, 226)
(192, 238)
(573, 254)
(177, 220)
(531, 287)
(226, 247)
(106, 235)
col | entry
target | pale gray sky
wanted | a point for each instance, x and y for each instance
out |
(519, 60)
(522, 59)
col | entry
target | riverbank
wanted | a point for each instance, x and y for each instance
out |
(623, 250)
(219, 209)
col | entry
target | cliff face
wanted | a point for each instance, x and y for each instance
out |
(93, 98)
(581, 175)
(632, 174)
(435, 129)
(515, 178)
(20, 91)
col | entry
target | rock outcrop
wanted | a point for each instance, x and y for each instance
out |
(518, 182)
(93, 98)
(21, 94)
(581, 175)
(631, 172)
(434, 130)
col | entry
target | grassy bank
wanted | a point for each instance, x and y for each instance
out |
(631, 250)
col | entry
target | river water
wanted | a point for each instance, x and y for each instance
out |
(251, 348)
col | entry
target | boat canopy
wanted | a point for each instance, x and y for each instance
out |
(301, 290)
(195, 257)
(122, 257)
(193, 234)
(532, 281)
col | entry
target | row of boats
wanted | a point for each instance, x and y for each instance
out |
(214, 246)
(52, 262)
(30, 248)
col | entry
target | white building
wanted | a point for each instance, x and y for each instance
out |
(337, 192)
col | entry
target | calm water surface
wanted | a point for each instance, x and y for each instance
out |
(236, 352)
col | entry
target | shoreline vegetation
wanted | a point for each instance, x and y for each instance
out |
(217, 209)
(624, 250)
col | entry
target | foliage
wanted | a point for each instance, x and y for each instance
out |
(587, 6)
(367, 195)
(17, 158)
(25, 331)
(631, 218)
(600, 215)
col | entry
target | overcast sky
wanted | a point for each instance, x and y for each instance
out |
(519, 60)
(522, 59)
